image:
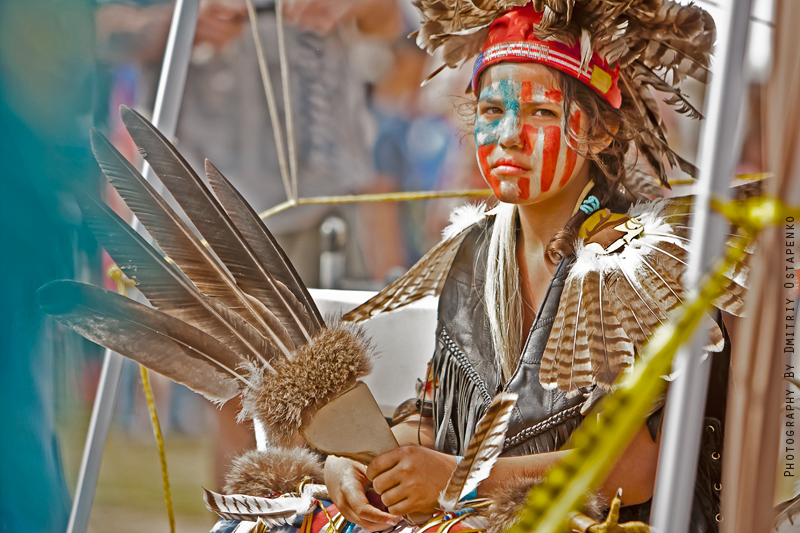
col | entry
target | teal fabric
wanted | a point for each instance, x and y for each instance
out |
(46, 94)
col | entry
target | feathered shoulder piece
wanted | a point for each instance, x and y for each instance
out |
(622, 49)
(427, 276)
(624, 282)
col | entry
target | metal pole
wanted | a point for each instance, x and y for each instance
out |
(165, 118)
(677, 464)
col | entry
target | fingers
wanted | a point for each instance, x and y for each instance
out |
(384, 462)
(356, 508)
(397, 501)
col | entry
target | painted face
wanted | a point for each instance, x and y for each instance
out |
(522, 150)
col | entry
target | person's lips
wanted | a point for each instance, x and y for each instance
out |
(509, 167)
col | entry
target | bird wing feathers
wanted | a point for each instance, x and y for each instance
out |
(216, 306)
(427, 276)
(613, 301)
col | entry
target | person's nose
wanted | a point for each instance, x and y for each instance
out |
(511, 131)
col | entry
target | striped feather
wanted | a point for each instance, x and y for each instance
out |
(564, 324)
(273, 511)
(484, 448)
(425, 278)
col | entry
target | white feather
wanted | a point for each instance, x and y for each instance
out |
(586, 48)
(272, 511)
(463, 217)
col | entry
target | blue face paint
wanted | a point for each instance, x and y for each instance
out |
(507, 94)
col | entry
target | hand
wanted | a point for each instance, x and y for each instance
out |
(219, 24)
(347, 481)
(321, 16)
(409, 479)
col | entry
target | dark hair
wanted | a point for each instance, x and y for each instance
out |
(607, 165)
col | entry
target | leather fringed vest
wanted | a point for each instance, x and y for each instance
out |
(466, 377)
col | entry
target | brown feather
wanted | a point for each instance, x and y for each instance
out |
(211, 220)
(166, 287)
(262, 242)
(484, 447)
(425, 278)
(562, 333)
(154, 339)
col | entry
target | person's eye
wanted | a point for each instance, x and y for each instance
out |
(492, 110)
(542, 112)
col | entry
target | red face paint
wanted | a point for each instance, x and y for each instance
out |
(524, 186)
(483, 157)
(571, 159)
(526, 93)
(529, 135)
(552, 146)
(553, 95)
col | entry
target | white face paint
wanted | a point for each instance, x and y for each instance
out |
(522, 151)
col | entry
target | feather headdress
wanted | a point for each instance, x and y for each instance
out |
(645, 45)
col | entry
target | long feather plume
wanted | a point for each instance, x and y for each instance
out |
(178, 241)
(215, 225)
(261, 241)
(166, 287)
(484, 448)
(158, 341)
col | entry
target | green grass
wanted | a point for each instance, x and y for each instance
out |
(130, 493)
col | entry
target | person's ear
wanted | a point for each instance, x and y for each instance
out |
(604, 138)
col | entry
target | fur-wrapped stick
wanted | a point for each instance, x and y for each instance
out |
(273, 471)
(328, 365)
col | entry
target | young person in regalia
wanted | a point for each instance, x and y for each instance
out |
(545, 300)
(554, 120)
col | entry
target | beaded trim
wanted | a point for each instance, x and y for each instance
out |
(543, 426)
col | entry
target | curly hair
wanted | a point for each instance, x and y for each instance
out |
(608, 168)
